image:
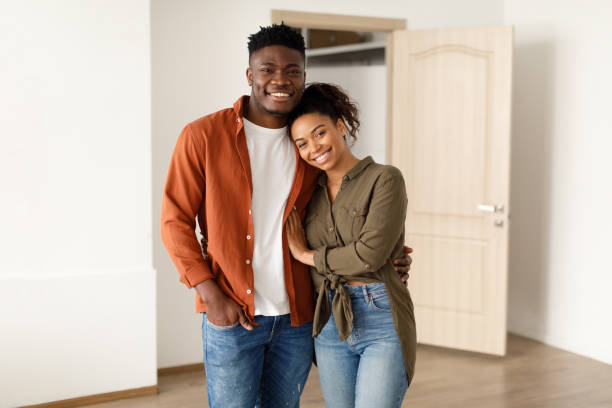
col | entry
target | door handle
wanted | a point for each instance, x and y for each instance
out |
(499, 208)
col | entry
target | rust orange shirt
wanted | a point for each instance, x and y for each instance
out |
(210, 177)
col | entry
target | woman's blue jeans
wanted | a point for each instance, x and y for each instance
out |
(266, 367)
(367, 369)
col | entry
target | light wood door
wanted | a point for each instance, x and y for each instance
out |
(450, 101)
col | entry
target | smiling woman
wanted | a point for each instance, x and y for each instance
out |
(364, 317)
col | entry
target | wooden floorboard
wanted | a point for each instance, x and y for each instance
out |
(532, 375)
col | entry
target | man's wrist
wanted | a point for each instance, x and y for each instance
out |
(209, 291)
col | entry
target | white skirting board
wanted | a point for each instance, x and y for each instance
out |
(594, 347)
(71, 334)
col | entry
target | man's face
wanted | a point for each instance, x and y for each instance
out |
(276, 75)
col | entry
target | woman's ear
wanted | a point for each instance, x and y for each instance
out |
(341, 126)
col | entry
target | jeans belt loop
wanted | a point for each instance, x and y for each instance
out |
(364, 288)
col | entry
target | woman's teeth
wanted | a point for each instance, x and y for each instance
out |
(322, 158)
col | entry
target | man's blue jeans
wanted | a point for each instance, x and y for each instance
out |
(266, 367)
(367, 369)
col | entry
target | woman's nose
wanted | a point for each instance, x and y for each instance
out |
(315, 146)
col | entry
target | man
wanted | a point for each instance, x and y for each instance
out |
(240, 175)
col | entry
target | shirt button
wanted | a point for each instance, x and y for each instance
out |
(248, 261)
(248, 237)
(367, 266)
(331, 229)
(354, 213)
(249, 291)
(238, 120)
(249, 211)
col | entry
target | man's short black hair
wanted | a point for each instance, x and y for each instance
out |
(277, 34)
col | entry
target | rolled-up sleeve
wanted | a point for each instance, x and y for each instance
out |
(381, 230)
(182, 198)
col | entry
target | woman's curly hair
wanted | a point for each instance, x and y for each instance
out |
(330, 100)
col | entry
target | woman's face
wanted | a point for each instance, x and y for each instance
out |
(319, 140)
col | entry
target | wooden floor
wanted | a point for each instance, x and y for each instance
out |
(532, 375)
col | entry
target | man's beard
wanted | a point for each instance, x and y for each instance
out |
(275, 112)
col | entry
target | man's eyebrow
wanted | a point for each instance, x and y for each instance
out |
(271, 64)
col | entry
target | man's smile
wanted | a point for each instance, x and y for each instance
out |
(280, 95)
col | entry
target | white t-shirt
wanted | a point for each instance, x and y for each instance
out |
(273, 164)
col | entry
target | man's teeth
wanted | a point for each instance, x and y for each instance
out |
(279, 94)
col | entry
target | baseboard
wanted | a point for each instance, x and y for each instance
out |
(181, 369)
(98, 398)
(106, 343)
(118, 395)
(599, 353)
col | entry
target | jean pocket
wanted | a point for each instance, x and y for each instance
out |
(222, 328)
(380, 301)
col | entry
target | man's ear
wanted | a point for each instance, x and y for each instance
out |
(249, 75)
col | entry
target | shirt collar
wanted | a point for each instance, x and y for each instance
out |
(359, 167)
(240, 106)
(352, 173)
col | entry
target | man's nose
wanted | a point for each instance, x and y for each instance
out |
(280, 77)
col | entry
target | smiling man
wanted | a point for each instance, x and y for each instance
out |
(238, 175)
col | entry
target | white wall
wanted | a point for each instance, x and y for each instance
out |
(199, 58)
(365, 85)
(560, 269)
(77, 297)
(77, 301)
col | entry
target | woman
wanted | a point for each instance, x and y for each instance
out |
(365, 337)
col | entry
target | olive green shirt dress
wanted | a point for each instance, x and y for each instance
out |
(356, 239)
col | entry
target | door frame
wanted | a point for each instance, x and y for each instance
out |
(340, 22)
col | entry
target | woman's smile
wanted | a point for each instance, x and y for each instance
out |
(322, 158)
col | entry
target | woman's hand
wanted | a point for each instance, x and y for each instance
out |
(297, 239)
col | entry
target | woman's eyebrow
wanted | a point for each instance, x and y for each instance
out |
(316, 127)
